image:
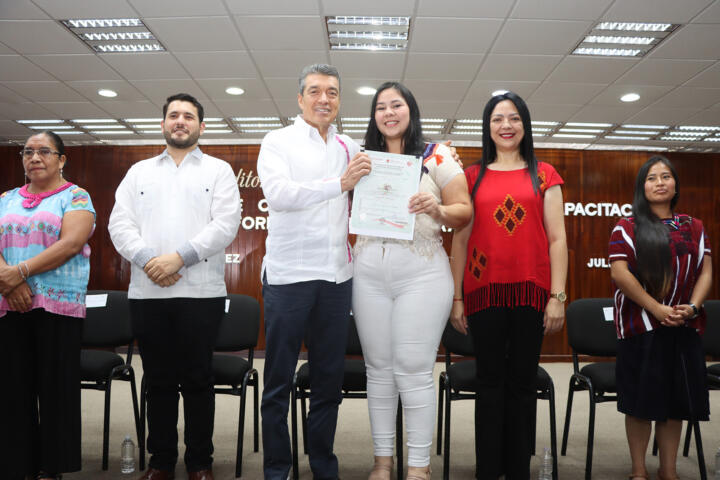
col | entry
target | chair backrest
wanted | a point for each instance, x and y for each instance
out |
(240, 325)
(108, 326)
(711, 338)
(353, 341)
(588, 331)
(456, 342)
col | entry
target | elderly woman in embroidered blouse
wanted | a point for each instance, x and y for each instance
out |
(402, 289)
(509, 265)
(662, 273)
(44, 271)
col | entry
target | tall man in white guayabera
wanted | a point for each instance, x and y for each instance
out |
(306, 171)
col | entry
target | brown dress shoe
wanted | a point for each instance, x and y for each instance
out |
(155, 474)
(201, 475)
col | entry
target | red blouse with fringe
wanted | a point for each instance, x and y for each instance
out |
(508, 262)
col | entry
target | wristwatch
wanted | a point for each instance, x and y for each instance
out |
(560, 296)
(696, 312)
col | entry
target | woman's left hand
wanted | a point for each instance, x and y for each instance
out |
(20, 299)
(9, 279)
(424, 202)
(554, 316)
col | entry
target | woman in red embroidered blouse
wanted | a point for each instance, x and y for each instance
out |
(509, 268)
(661, 269)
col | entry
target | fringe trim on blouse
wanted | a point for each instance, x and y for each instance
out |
(520, 294)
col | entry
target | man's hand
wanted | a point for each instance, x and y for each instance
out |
(454, 153)
(359, 166)
(162, 267)
(20, 298)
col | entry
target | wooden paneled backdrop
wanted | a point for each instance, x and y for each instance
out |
(591, 177)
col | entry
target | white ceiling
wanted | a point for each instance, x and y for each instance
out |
(459, 52)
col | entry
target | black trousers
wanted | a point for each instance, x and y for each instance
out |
(318, 311)
(176, 337)
(507, 348)
(40, 405)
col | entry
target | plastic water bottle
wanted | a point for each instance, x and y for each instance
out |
(717, 465)
(127, 456)
(546, 468)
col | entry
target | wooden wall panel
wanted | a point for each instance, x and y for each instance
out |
(591, 177)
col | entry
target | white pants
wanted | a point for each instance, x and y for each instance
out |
(401, 303)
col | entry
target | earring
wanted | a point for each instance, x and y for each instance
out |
(26, 179)
(61, 174)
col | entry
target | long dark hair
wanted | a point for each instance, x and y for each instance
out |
(527, 149)
(413, 143)
(652, 238)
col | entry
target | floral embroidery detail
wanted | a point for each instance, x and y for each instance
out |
(509, 214)
(80, 197)
(543, 182)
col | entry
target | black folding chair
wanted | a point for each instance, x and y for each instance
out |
(589, 333)
(459, 382)
(354, 386)
(107, 328)
(232, 373)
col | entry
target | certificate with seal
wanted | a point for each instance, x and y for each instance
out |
(380, 200)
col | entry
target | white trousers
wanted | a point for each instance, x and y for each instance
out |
(401, 303)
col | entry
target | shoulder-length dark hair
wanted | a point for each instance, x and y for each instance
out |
(652, 239)
(527, 149)
(413, 142)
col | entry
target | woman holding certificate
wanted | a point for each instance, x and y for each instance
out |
(509, 266)
(403, 290)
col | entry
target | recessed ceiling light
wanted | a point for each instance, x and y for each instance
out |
(366, 91)
(630, 97)
(499, 92)
(234, 91)
(105, 92)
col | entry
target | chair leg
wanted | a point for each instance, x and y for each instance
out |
(138, 428)
(553, 430)
(241, 426)
(568, 410)
(533, 426)
(699, 449)
(688, 435)
(441, 390)
(293, 411)
(143, 423)
(399, 440)
(591, 435)
(303, 416)
(256, 414)
(446, 455)
(106, 425)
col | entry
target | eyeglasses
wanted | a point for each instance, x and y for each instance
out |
(44, 153)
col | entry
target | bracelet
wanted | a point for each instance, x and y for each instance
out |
(695, 310)
(27, 270)
(24, 277)
(458, 300)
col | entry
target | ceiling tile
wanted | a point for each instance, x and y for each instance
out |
(11, 128)
(610, 97)
(671, 11)
(87, 8)
(215, 88)
(5, 50)
(74, 109)
(15, 67)
(45, 91)
(552, 112)
(560, 9)
(355, 106)
(286, 64)
(606, 114)
(562, 92)
(440, 66)
(350, 86)
(39, 36)
(145, 66)
(437, 90)
(288, 87)
(709, 78)
(540, 37)
(218, 64)
(663, 72)
(710, 15)
(140, 109)
(460, 35)
(688, 97)
(482, 90)
(10, 96)
(463, 8)
(431, 108)
(711, 116)
(471, 108)
(272, 7)
(20, 10)
(89, 88)
(182, 34)
(178, 8)
(247, 108)
(699, 42)
(75, 67)
(518, 67)
(590, 69)
(667, 116)
(25, 111)
(158, 91)
(283, 33)
(288, 108)
(360, 64)
(368, 7)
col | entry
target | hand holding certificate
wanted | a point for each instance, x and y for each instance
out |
(380, 199)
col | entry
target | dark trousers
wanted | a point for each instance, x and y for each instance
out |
(507, 348)
(40, 405)
(176, 337)
(319, 312)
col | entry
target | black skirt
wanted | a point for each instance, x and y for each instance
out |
(661, 373)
